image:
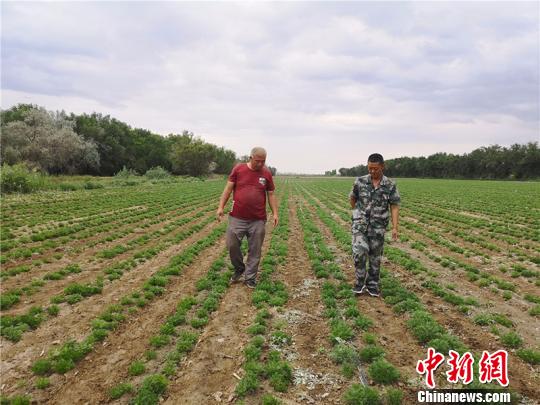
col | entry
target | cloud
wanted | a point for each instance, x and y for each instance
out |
(321, 84)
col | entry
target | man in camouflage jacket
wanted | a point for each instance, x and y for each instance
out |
(371, 198)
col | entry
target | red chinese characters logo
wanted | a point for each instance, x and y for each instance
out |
(491, 367)
(461, 368)
(494, 367)
(429, 365)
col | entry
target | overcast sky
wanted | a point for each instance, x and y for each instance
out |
(321, 85)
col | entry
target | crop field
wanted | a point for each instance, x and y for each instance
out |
(121, 295)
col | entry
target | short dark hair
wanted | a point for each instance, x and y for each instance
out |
(375, 158)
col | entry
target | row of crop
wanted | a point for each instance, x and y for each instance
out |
(481, 278)
(472, 272)
(440, 241)
(84, 229)
(11, 297)
(71, 352)
(440, 224)
(409, 303)
(521, 248)
(263, 354)
(176, 338)
(439, 210)
(134, 223)
(91, 204)
(345, 321)
(13, 326)
(36, 213)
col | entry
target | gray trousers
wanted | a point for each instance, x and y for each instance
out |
(254, 230)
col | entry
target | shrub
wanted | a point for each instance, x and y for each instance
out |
(279, 372)
(371, 353)
(512, 340)
(360, 395)
(118, 390)
(424, 327)
(151, 388)
(341, 330)
(394, 396)
(19, 179)
(126, 173)
(137, 368)
(157, 173)
(529, 355)
(42, 383)
(382, 372)
(41, 367)
(249, 383)
(268, 399)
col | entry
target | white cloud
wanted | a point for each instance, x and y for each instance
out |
(320, 84)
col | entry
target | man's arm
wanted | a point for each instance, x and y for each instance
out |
(273, 206)
(352, 200)
(224, 198)
(394, 211)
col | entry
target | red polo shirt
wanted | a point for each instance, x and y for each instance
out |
(250, 187)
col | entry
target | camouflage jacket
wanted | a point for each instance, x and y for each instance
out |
(372, 204)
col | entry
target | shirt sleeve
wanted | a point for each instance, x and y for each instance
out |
(270, 184)
(394, 197)
(234, 174)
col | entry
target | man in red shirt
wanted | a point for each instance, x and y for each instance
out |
(251, 182)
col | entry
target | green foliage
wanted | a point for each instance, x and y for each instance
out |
(340, 329)
(151, 389)
(382, 372)
(268, 399)
(157, 173)
(136, 368)
(394, 396)
(248, 384)
(42, 383)
(531, 356)
(119, 390)
(19, 179)
(41, 367)
(279, 372)
(360, 395)
(511, 340)
(424, 327)
(371, 353)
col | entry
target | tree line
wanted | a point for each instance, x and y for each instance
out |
(520, 162)
(61, 143)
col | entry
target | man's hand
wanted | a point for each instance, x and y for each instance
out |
(395, 234)
(219, 214)
(276, 220)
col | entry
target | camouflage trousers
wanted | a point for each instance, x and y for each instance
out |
(366, 245)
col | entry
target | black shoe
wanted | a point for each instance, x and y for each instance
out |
(236, 277)
(250, 283)
(359, 289)
(373, 291)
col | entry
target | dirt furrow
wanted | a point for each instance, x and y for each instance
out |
(108, 365)
(74, 321)
(88, 256)
(209, 370)
(90, 272)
